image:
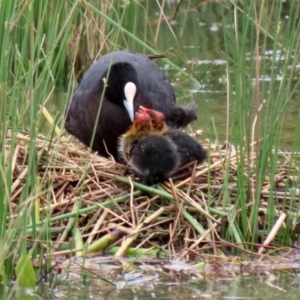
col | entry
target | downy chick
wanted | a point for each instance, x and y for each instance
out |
(188, 148)
(152, 156)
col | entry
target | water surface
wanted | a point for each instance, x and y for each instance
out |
(259, 287)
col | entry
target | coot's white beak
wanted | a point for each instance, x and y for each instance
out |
(129, 91)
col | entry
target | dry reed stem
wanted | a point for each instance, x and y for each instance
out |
(68, 174)
(97, 226)
(272, 233)
(134, 235)
(198, 241)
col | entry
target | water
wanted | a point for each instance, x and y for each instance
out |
(259, 286)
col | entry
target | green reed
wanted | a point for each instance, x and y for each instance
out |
(260, 44)
(34, 37)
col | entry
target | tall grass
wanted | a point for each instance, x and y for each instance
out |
(33, 56)
(258, 48)
(46, 43)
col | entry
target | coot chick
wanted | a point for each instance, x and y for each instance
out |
(153, 157)
(141, 126)
(119, 82)
(158, 124)
(188, 148)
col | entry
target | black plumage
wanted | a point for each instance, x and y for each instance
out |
(153, 157)
(188, 148)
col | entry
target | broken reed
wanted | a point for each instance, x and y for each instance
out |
(87, 203)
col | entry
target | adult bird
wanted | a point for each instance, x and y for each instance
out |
(111, 91)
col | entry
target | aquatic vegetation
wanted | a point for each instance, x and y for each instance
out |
(58, 199)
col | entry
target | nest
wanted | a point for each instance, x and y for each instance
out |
(91, 204)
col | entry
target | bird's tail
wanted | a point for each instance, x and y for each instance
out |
(180, 117)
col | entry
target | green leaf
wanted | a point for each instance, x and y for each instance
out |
(3, 275)
(25, 272)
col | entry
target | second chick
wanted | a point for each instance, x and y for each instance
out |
(188, 148)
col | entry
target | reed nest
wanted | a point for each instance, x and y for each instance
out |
(92, 204)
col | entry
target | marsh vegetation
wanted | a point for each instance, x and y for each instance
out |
(238, 60)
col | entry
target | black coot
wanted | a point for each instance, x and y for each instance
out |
(153, 157)
(131, 80)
